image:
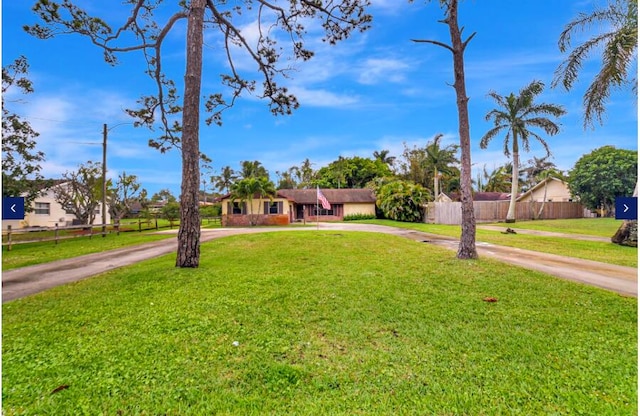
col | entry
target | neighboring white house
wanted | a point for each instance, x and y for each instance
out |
(549, 190)
(47, 213)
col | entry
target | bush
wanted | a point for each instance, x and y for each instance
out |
(356, 217)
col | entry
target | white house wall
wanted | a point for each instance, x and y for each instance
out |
(57, 215)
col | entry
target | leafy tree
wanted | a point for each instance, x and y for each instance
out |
(599, 177)
(467, 247)
(618, 43)
(21, 162)
(140, 31)
(439, 161)
(126, 192)
(164, 195)
(412, 165)
(351, 172)
(516, 115)
(171, 211)
(246, 189)
(81, 192)
(402, 200)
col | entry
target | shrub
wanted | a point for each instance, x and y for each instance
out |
(356, 217)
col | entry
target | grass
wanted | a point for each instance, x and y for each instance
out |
(589, 250)
(22, 255)
(601, 227)
(321, 323)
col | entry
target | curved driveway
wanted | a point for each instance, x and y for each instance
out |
(25, 281)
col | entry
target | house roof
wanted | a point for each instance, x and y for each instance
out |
(334, 196)
(483, 196)
(540, 185)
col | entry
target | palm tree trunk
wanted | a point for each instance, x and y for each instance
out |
(189, 233)
(511, 214)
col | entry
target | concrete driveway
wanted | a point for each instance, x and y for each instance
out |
(25, 281)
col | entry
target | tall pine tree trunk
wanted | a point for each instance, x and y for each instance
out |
(467, 247)
(189, 234)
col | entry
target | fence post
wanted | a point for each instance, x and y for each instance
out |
(156, 223)
(9, 237)
(55, 234)
(117, 225)
(139, 225)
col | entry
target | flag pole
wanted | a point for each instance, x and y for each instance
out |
(317, 208)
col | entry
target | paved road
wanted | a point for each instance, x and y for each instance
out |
(33, 279)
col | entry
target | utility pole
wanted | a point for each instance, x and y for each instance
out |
(104, 180)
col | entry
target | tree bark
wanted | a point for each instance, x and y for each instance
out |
(467, 247)
(189, 234)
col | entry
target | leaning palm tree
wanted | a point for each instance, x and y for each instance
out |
(515, 116)
(618, 43)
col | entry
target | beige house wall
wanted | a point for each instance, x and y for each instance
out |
(57, 215)
(556, 192)
(257, 205)
(353, 209)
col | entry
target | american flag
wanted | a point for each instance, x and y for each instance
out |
(323, 200)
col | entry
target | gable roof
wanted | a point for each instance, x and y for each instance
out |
(334, 196)
(540, 185)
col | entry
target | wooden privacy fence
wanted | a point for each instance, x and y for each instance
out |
(492, 211)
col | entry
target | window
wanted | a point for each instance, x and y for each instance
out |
(43, 208)
(236, 208)
(273, 207)
(322, 211)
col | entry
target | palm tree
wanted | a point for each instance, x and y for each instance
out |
(439, 160)
(515, 115)
(618, 44)
(382, 157)
(246, 189)
(226, 178)
(253, 169)
(499, 180)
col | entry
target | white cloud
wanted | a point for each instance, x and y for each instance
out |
(323, 98)
(376, 70)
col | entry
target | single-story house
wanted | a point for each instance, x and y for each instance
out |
(291, 205)
(47, 212)
(548, 190)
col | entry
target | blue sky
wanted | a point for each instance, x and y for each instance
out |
(377, 90)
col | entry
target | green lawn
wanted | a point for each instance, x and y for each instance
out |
(605, 252)
(602, 227)
(309, 323)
